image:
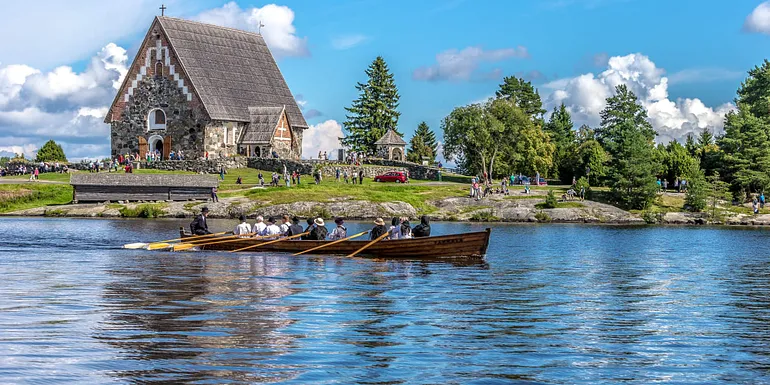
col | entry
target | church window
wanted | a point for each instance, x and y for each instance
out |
(159, 69)
(156, 120)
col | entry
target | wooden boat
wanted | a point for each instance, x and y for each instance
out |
(468, 245)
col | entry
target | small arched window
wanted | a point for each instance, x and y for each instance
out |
(158, 69)
(156, 120)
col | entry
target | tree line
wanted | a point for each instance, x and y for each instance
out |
(509, 134)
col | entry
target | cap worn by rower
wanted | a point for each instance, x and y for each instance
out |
(379, 221)
(205, 210)
(339, 221)
(319, 221)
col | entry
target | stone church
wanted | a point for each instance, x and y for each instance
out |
(201, 88)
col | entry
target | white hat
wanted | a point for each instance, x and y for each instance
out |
(319, 221)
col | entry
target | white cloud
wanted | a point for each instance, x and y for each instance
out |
(759, 19)
(28, 150)
(278, 31)
(347, 42)
(461, 65)
(61, 104)
(585, 96)
(45, 33)
(322, 137)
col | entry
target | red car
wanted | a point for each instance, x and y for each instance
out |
(393, 176)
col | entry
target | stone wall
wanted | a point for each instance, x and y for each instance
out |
(211, 166)
(184, 123)
(215, 142)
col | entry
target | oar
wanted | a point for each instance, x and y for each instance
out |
(267, 243)
(141, 245)
(186, 246)
(200, 239)
(331, 243)
(381, 237)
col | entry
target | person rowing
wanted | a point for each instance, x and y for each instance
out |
(259, 227)
(199, 225)
(378, 230)
(319, 232)
(423, 229)
(272, 229)
(295, 228)
(340, 231)
(243, 228)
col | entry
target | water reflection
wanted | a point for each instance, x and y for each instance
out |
(550, 305)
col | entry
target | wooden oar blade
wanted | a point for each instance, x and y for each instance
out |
(134, 246)
(184, 246)
(158, 246)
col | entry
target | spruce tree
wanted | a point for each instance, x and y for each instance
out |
(559, 127)
(50, 152)
(745, 146)
(374, 112)
(428, 137)
(418, 150)
(628, 138)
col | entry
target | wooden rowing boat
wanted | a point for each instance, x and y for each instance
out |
(468, 245)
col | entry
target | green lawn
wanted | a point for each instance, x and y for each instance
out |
(14, 197)
(50, 176)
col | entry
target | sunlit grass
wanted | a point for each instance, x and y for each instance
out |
(15, 197)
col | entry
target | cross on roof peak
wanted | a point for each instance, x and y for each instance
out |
(163, 9)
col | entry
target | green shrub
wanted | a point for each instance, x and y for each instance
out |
(143, 211)
(651, 217)
(484, 216)
(550, 200)
(542, 216)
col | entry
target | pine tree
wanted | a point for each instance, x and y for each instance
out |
(691, 145)
(523, 95)
(50, 152)
(418, 150)
(373, 113)
(745, 146)
(628, 138)
(559, 127)
(428, 137)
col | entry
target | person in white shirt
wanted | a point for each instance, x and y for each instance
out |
(340, 231)
(243, 228)
(395, 229)
(259, 227)
(285, 224)
(272, 229)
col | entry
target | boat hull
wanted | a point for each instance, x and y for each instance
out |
(469, 245)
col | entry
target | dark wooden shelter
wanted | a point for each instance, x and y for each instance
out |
(101, 187)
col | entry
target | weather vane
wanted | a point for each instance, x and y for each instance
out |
(162, 9)
(259, 27)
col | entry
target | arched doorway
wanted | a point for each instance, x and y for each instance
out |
(397, 154)
(155, 144)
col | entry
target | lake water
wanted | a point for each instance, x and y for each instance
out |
(555, 304)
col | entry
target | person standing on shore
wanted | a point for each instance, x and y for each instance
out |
(261, 179)
(361, 176)
(214, 196)
(762, 200)
(337, 174)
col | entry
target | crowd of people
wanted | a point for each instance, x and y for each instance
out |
(315, 229)
(34, 170)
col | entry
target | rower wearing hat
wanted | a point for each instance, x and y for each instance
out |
(272, 228)
(340, 231)
(199, 225)
(319, 232)
(378, 230)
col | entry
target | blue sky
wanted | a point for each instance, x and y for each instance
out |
(443, 54)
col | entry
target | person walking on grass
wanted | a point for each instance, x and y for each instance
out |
(261, 179)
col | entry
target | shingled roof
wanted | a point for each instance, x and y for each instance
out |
(391, 138)
(263, 123)
(230, 69)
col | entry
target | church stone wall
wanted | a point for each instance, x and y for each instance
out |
(185, 121)
(214, 141)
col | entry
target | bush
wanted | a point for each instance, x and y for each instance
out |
(484, 216)
(542, 216)
(651, 217)
(550, 200)
(143, 211)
